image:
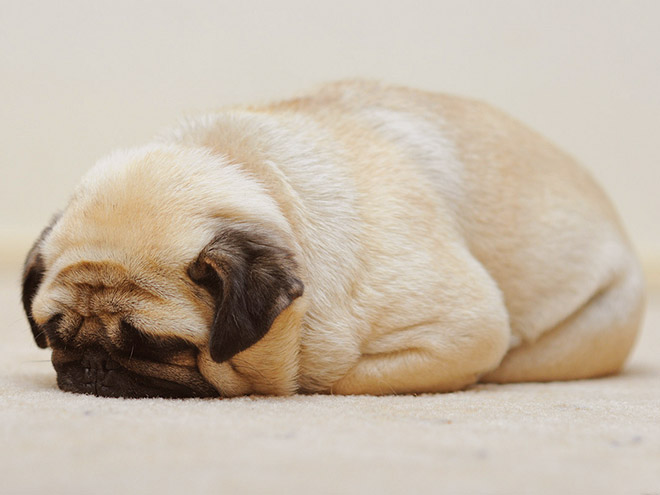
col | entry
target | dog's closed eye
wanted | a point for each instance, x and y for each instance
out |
(138, 344)
(49, 330)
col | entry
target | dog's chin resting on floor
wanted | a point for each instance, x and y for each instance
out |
(361, 239)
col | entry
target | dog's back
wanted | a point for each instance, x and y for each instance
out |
(535, 219)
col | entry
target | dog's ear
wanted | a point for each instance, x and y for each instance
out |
(252, 279)
(33, 274)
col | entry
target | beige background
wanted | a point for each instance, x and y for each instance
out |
(80, 78)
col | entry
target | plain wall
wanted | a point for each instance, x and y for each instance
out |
(81, 78)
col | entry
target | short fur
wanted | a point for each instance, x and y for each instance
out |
(364, 239)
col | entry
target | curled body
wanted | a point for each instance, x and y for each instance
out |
(362, 239)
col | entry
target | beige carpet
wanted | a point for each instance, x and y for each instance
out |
(600, 436)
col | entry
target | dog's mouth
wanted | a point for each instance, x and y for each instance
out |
(97, 372)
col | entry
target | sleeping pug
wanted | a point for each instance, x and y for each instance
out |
(362, 239)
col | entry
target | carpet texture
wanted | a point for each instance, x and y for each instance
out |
(596, 436)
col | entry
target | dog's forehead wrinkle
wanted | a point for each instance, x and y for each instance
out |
(140, 279)
(159, 305)
(90, 298)
(82, 328)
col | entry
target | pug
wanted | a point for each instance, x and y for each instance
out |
(361, 239)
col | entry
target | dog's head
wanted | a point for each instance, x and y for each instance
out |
(170, 274)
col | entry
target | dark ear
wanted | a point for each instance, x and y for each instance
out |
(252, 279)
(33, 274)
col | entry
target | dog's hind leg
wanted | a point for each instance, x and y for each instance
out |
(467, 337)
(593, 341)
(414, 370)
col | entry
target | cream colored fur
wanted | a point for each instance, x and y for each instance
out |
(440, 242)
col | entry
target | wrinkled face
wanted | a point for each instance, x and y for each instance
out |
(135, 301)
(131, 365)
(117, 336)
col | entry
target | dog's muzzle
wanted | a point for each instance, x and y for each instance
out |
(95, 372)
(101, 374)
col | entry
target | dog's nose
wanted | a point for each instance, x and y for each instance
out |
(98, 366)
